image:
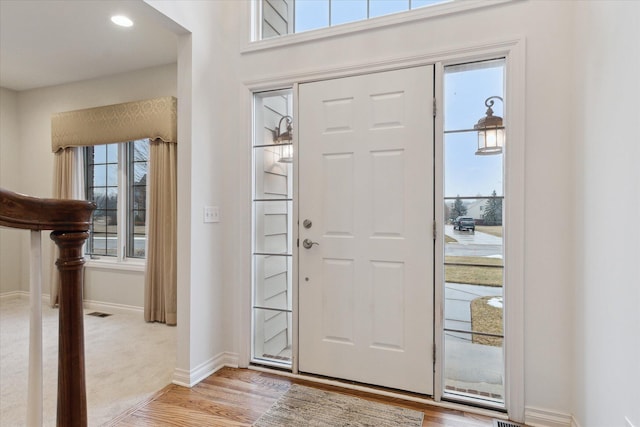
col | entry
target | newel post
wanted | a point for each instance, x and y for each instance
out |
(72, 398)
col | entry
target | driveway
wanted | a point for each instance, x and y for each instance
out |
(470, 366)
(469, 238)
(458, 296)
(472, 244)
(457, 305)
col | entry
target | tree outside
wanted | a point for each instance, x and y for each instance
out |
(493, 210)
(458, 208)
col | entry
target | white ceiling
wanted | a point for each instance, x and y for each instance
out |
(50, 42)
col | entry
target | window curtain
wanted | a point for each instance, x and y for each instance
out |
(155, 119)
(160, 298)
(68, 183)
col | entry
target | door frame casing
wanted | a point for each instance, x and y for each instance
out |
(513, 50)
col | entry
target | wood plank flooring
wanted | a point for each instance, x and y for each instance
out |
(237, 397)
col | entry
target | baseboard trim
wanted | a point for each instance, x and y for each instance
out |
(190, 378)
(14, 295)
(537, 417)
(112, 308)
(22, 295)
(107, 307)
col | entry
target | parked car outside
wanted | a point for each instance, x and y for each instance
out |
(463, 223)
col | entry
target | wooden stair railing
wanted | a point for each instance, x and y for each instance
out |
(69, 221)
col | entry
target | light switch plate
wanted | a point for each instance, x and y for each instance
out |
(211, 214)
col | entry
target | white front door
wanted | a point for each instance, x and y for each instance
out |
(366, 187)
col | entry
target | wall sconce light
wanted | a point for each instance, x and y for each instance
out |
(490, 131)
(283, 140)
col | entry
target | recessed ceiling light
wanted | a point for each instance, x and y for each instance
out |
(121, 20)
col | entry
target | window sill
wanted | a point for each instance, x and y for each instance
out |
(102, 264)
(369, 24)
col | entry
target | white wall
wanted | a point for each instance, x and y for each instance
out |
(214, 169)
(607, 149)
(32, 162)
(10, 240)
(207, 125)
(547, 28)
(219, 171)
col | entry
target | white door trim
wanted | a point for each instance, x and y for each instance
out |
(513, 50)
(514, 236)
(438, 261)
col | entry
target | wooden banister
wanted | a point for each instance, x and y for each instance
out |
(32, 213)
(69, 220)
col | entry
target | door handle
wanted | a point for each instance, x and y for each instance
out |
(308, 243)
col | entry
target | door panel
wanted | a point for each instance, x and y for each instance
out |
(366, 184)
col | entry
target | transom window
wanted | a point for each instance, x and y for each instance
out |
(280, 17)
(116, 181)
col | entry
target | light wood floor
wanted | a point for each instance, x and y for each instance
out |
(237, 397)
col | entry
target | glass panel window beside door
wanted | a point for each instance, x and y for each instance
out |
(272, 229)
(473, 230)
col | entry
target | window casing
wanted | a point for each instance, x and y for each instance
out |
(116, 181)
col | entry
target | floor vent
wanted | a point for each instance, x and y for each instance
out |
(99, 314)
(503, 423)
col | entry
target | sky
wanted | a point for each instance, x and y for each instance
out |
(465, 90)
(106, 160)
(312, 14)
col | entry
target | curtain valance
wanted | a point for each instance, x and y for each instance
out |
(152, 118)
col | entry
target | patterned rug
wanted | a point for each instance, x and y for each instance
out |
(304, 406)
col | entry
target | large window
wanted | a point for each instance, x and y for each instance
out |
(116, 181)
(281, 17)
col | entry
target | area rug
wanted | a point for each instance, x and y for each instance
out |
(305, 406)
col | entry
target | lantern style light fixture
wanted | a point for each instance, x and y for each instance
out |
(490, 130)
(283, 140)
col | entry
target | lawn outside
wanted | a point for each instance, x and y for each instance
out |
(494, 230)
(475, 270)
